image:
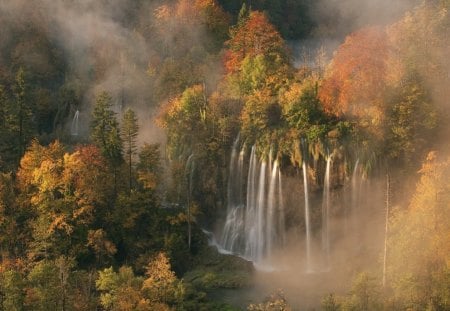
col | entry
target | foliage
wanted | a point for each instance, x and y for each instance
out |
(149, 168)
(329, 303)
(105, 129)
(418, 244)
(275, 302)
(354, 83)
(68, 210)
(255, 36)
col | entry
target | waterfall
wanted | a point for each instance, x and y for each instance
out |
(325, 213)
(355, 188)
(271, 202)
(74, 127)
(260, 240)
(307, 218)
(250, 211)
(230, 239)
(281, 218)
(253, 228)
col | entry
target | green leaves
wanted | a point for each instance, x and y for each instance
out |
(105, 130)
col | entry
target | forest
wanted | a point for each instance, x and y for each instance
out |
(224, 155)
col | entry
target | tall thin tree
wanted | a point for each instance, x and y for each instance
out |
(105, 132)
(129, 133)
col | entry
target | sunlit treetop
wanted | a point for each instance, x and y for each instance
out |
(253, 36)
(355, 79)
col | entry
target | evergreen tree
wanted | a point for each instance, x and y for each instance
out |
(105, 132)
(129, 132)
(20, 114)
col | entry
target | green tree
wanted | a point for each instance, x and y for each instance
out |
(9, 216)
(364, 295)
(45, 291)
(12, 290)
(329, 303)
(120, 291)
(21, 113)
(149, 166)
(129, 131)
(105, 132)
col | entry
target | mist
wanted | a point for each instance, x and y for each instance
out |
(121, 47)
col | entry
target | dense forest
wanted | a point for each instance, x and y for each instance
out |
(127, 128)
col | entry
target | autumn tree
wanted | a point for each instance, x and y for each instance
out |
(160, 282)
(255, 36)
(355, 81)
(185, 120)
(302, 110)
(149, 168)
(419, 242)
(119, 291)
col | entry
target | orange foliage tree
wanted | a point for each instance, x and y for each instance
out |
(354, 83)
(255, 36)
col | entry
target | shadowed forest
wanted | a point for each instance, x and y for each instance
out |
(224, 155)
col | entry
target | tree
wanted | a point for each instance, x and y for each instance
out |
(12, 286)
(105, 132)
(364, 295)
(185, 121)
(149, 166)
(276, 301)
(45, 291)
(129, 131)
(303, 111)
(9, 216)
(255, 36)
(160, 284)
(22, 123)
(412, 117)
(354, 83)
(329, 303)
(419, 243)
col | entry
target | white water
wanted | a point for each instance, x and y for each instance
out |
(271, 202)
(355, 189)
(253, 229)
(260, 241)
(307, 218)
(75, 127)
(230, 239)
(326, 214)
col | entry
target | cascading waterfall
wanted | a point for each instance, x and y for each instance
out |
(74, 127)
(255, 228)
(281, 218)
(355, 189)
(271, 202)
(250, 211)
(325, 212)
(261, 202)
(355, 185)
(234, 223)
(307, 218)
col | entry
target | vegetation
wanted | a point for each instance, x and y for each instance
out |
(100, 219)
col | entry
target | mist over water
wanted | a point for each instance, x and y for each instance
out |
(307, 238)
